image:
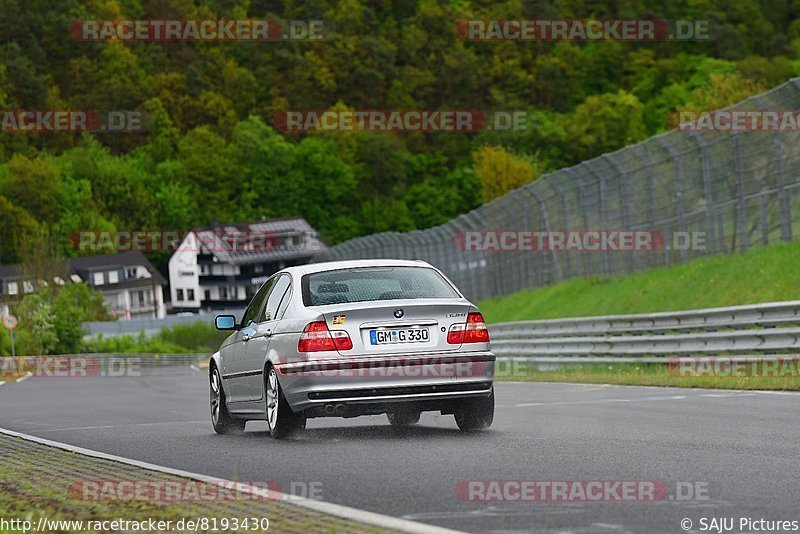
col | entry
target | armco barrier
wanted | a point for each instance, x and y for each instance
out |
(137, 360)
(772, 327)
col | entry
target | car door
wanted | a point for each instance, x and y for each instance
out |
(234, 358)
(259, 342)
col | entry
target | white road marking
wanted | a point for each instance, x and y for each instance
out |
(591, 387)
(353, 514)
(662, 388)
(2, 382)
(193, 366)
(119, 426)
(596, 401)
(726, 395)
(27, 376)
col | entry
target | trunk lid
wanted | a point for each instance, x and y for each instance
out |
(375, 328)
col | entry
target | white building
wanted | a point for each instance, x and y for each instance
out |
(222, 267)
(131, 286)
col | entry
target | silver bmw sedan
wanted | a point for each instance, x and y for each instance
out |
(352, 338)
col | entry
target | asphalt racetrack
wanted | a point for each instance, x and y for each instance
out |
(719, 453)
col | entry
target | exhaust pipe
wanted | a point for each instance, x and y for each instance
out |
(335, 409)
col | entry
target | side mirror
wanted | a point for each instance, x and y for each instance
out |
(225, 322)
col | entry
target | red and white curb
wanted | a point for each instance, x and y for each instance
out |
(353, 514)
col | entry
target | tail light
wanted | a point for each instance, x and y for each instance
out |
(473, 331)
(316, 338)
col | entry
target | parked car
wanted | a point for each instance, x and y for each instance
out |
(352, 338)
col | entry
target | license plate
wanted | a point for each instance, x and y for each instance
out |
(398, 335)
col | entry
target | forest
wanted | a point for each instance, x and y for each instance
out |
(210, 151)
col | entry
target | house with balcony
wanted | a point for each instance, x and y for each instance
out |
(222, 266)
(131, 286)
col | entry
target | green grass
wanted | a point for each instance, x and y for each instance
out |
(634, 374)
(762, 274)
(196, 337)
(37, 481)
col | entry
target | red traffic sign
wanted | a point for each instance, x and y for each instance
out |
(10, 322)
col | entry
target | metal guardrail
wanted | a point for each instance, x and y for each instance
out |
(97, 361)
(773, 327)
(152, 360)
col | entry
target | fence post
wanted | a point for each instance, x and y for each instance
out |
(783, 198)
(476, 222)
(586, 265)
(741, 202)
(648, 188)
(556, 265)
(679, 207)
(564, 223)
(624, 201)
(601, 181)
(707, 191)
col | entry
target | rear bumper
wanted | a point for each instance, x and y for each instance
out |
(374, 384)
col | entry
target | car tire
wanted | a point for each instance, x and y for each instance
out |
(221, 420)
(403, 417)
(282, 421)
(476, 414)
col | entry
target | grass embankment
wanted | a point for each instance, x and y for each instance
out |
(762, 274)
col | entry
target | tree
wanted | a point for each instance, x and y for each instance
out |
(72, 305)
(261, 158)
(15, 222)
(36, 313)
(501, 171)
(33, 184)
(605, 123)
(42, 262)
(208, 169)
(722, 91)
(438, 199)
(320, 186)
(51, 318)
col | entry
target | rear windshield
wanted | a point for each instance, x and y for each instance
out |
(374, 283)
